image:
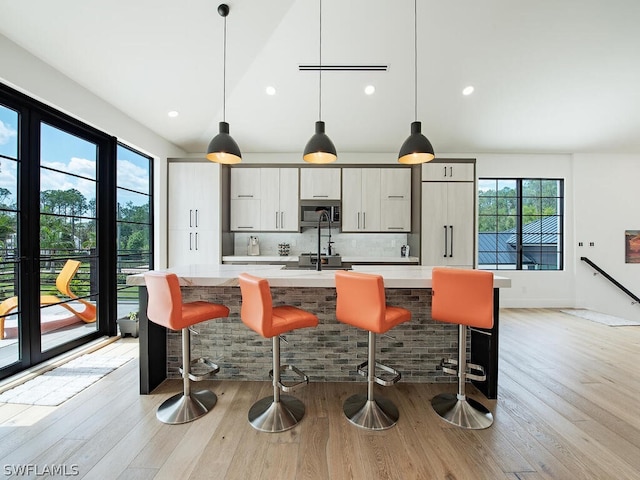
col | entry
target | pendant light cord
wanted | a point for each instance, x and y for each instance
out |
(415, 56)
(320, 69)
(224, 72)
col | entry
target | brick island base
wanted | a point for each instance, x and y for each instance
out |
(328, 353)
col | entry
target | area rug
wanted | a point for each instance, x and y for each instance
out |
(603, 318)
(60, 384)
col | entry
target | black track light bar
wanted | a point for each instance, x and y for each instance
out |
(344, 68)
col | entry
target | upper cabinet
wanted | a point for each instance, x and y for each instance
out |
(245, 199)
(448, 172)
(279, 202)
(395, 200)
(319, 183)
(264, 199)
(376, 200)
(245, 183)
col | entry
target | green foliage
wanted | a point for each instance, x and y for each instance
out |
(498, 207)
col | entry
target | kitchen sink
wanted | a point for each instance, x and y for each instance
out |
(309, 260)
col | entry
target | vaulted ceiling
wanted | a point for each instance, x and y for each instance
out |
(549, 75)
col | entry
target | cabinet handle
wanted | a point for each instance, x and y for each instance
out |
(395, 196)
(276, 220)
(358, 220)
(190, 218)
(190, 241)
(451, 251)
(364, 220)
(395, 228)
(196, 240)
(446, 241)
(445, 173)
(320, 196)
(240, 226)
(245, 196)
(450, 172)
(281, 219)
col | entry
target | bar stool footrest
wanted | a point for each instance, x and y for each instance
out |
(207, 369)
(363, 369)
(474, 371)
(481, 374)
(290, 387)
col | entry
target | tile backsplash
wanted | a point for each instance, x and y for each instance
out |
(345, 244)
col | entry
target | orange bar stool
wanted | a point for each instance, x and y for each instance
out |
(361, 303)
(166, 308)
(464, 297)
(279, 412)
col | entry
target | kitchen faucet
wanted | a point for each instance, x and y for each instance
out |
(323, 212)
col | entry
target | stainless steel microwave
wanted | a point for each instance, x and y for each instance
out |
(310, 210)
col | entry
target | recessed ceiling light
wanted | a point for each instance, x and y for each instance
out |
(369, 89)
(173, 114)
(468, 90)
(270, 90)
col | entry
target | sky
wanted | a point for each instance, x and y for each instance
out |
(67, 153)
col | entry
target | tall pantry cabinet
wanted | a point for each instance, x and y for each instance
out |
(194, 213)
(448, 214)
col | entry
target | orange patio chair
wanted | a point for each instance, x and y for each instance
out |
(63, 284)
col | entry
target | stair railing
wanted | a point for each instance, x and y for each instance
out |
(635, 298)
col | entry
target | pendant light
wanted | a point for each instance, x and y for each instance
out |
(223, 148)
(320, 148)
(417, 148)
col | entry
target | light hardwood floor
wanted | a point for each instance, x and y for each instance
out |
(567, 409)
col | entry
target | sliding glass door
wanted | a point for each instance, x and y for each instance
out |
(10, 311)
(57, 232)
(69, 280)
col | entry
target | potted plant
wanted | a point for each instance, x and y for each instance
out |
(129, 325)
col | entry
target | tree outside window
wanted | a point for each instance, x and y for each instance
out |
(520, 224)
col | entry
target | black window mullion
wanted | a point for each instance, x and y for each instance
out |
(519, 215)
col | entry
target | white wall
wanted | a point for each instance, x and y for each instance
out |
(606, 204)
(29, 75)
(535, 288)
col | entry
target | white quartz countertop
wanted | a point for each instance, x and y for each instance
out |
(395, 276)
(294, 258)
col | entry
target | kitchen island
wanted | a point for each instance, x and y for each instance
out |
(329, 352)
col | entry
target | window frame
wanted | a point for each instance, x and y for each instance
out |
(519, 231)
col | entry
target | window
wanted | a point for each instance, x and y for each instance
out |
(134, 222)
(520, 224)
(73, 223)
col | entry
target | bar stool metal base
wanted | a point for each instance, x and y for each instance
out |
(465, 412)
(270, 416)
(377, 414)
(183, 408)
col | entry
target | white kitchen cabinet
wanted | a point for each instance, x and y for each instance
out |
(395, 184)
(448, 172)
(279, 202)
(319, 183)
(448, 223)
(245, 183)
(244, 215)
(193, 213)
(395, 200)
(376, 200)
(245, 205)
(264, 199)
(360, 199)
